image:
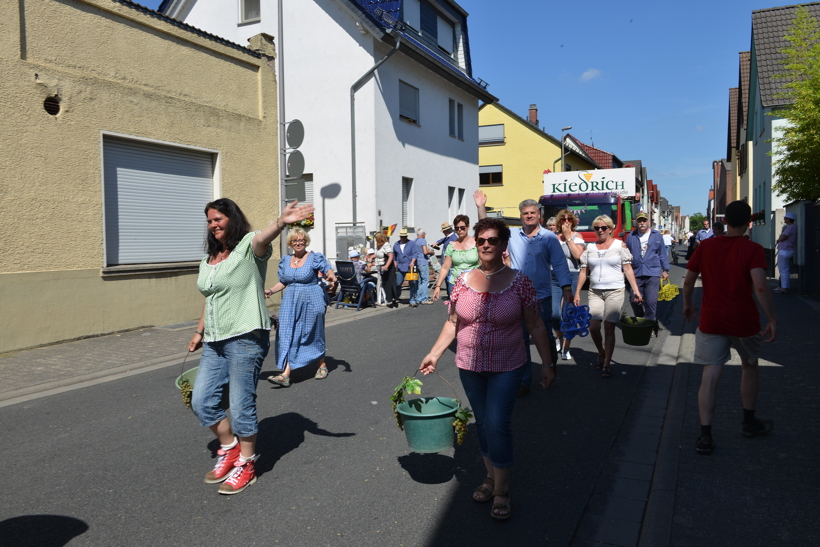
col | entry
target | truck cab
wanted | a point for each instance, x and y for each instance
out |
(587, 207)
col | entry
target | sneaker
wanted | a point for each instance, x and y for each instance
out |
(224, 465)
(558, 346)
(565, 355)
(243, 475)
(758, 427)
(705, 445)
(428, 302)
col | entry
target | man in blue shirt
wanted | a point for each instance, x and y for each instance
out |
(443, 243)
(424, 268)
(532, 250)
(649, 263)
(406, 254)
(705, 232)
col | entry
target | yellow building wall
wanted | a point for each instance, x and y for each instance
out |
(116, 70)
(525, 155)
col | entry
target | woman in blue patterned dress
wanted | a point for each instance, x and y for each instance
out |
(300, 339)
(234, 334)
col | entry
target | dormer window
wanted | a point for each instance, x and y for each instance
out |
(446, 38)
(412, 14)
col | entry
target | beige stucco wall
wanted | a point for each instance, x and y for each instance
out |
(116, 70)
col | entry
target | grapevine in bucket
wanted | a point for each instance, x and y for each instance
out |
(185, 387)
(411, 385)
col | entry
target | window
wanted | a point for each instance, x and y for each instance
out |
(452, 206)
(445, 35)
(456, 119)
(490, 175)
(491, 134)
(461, 210)
(460, 120)
(153, 196)
(249, 11)
(406, 202)
(412, 13)
(408, 103)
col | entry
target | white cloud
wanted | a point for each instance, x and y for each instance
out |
(590, 74)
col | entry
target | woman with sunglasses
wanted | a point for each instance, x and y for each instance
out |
(605, 263)
(461, 255)
(300, 339)
(573, 246)
(487, 306)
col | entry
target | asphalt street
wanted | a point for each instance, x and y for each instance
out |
(121, 463)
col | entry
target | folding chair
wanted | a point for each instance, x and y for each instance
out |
(349, 287)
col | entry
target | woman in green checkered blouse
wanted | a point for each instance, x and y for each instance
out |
(234, 333)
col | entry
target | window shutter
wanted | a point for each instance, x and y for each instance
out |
(445, 35)
(408, 102)
(490, 133)
(154, 201)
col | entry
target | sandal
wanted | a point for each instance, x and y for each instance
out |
(600, 363)
(321, 373)
(484, 490)
(279, 379)
(607, 372)
(501, 506)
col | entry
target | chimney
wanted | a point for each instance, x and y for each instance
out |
(534, 114)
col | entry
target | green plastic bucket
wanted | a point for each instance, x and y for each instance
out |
(190, 375)
(637, 331)
(428, 423)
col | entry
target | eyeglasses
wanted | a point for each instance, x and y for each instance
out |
(299, 241)
(600, 228)
(491, 240)
(459, 228)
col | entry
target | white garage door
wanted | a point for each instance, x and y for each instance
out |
(154, 201)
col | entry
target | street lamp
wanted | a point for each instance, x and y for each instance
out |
(563, 155)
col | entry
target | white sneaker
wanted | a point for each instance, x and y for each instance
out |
(558, 346)
(565, 355)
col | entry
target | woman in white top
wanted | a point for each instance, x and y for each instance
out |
(605, 263)
(573, 246)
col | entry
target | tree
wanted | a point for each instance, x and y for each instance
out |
(797, 153)
(696, 221)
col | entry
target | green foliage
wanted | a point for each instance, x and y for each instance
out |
(410, 385)
(797, 153)
(696, 221)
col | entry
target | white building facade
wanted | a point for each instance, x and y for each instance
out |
(416, 116)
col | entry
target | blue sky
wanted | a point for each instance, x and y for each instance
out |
(646, 80)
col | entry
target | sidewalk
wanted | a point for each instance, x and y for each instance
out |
(759, 491)
(37, 372)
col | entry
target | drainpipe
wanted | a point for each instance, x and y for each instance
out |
(353, 89)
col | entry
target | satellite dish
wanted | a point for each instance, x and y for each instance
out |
(296, 164)
(295, 134)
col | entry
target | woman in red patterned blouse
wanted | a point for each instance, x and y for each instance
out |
(487, 306)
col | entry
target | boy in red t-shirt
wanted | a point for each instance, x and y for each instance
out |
(733, 268)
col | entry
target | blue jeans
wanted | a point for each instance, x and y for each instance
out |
(649, 287)
(413, 285)
(492, 398)
(545, 311)
(236, 361)
(557, 295)
(422, 289)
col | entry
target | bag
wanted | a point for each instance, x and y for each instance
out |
(413, 274)
(668, 291)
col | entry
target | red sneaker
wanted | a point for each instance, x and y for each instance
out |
(224, 465)
(244, 475)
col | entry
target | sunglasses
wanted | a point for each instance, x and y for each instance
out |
(600, 228)
(461, 228)
(491, 240)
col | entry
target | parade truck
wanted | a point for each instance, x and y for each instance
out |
(589, 194)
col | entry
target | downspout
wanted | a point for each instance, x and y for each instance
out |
(353, 89)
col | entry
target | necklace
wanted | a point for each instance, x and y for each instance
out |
(297, 259)
(489, 275)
